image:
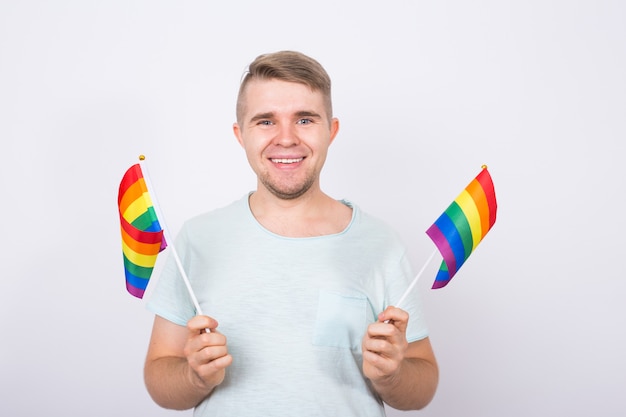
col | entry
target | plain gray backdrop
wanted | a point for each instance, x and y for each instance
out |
(534, 324)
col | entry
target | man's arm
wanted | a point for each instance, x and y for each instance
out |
(184, 364)
(404, 374)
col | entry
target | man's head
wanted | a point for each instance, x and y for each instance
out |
(284, 122)
(287, 66)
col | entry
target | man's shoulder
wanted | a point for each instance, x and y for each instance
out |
(373, 225)
(233, 211)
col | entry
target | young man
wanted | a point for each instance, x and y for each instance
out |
(302, 284)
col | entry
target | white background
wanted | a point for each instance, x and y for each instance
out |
(427, 91)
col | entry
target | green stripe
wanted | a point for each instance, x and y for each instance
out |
(139, 271)
(144, 222)
(462, 226)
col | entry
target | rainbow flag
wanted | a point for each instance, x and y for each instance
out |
(142, 235)
(460, 228)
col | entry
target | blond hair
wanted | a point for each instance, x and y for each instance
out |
(290, 66)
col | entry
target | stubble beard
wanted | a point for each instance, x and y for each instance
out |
(288, 191)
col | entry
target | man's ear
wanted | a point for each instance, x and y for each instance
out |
(237, 132)
(334, 128)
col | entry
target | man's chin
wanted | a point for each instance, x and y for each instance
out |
(288, 193)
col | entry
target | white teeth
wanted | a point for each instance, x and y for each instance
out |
(286, 160)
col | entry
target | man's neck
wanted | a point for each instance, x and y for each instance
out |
(312, 214)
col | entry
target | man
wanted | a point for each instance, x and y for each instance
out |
(302, 284)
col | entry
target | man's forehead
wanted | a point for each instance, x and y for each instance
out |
(275, 83)
(269, 95)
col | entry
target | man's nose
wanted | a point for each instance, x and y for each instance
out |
(286, 135)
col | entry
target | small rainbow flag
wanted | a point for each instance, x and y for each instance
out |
(460, 228)
(142, 235)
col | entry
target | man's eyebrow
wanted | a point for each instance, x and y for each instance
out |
(261, 116)
(307, 113)
(270, 115)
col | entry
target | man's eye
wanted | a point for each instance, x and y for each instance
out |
(265, 122)
(305, 121)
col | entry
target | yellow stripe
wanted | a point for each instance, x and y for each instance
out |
(467, 204)
(146, 261)
(137, 207)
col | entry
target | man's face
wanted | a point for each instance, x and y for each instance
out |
(286, 133)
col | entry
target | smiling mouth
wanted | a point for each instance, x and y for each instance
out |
(286, 160)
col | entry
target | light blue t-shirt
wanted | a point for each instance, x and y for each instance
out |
(293, 310)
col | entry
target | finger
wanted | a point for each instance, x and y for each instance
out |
(212, 339)
(381, 329)
(377, 365)
(209, 354)
(385, 339)
(216, 365)
(377, 345)
(380, 357)
(212, 348)
(395, 316)
(212, 372)
(200, 323)
(199, 341)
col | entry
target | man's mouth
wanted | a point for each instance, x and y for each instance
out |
(286, 160)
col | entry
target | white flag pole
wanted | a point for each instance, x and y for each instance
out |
(168, 237)
(417, 277)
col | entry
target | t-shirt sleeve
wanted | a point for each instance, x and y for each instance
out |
(170, 298)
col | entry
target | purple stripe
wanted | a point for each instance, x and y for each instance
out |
(444, 247)
(137, 292)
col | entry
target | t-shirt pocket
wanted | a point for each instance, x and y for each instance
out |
(341, 320)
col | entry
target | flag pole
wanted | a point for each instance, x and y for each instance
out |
(417, 277)
(168, 237)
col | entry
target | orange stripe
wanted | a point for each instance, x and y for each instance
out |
(139, 259)
(478, 195)
(132, 193)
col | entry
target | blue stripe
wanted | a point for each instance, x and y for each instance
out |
(450, 232)
(136, 281)
(442, 274)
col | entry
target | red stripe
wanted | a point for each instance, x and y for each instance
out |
(141, 247)
(132, 175)
(487, 184)
(140, 235)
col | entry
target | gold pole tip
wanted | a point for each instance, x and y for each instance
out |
(141, 158)
(484, 166)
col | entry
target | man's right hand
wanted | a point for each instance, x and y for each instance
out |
(206, 352)
(184, 364)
